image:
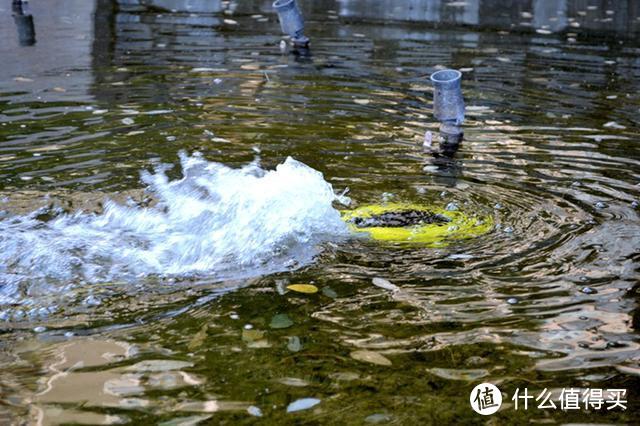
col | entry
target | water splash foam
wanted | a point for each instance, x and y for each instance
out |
(215, 220)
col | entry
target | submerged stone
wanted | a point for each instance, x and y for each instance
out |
(294, 344)
(281, 321)
(302, 404)
(293, 381)
(252, 335)
(157, 365)
(371, 357)
(452, 207)
(455, 374)
(377, 418)
(329, 292)
(476, 360)
(385, 284)
(185, 421)
(254, 411)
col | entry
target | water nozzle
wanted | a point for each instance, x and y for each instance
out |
(291, 21)
(448, 104)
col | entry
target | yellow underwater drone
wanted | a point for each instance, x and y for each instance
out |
(413, 223)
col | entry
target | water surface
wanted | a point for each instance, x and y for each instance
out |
(119, 312)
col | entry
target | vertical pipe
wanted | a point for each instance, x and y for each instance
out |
(291, 21)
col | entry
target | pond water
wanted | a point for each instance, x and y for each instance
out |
(136, 292)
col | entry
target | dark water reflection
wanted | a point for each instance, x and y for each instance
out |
(548, 299)
(557, 16)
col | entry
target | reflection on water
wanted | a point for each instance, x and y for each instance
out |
(547, 299)
(418, 11)
(24, 23)
(543, 15)
(91, 371)
(191, 6)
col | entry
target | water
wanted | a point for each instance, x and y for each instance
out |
(215, 221)
(158, 306)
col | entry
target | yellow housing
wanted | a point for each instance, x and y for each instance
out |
(460, 226)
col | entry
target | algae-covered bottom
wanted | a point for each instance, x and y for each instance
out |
(225, 287)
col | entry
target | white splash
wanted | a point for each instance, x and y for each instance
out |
(216, 221)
